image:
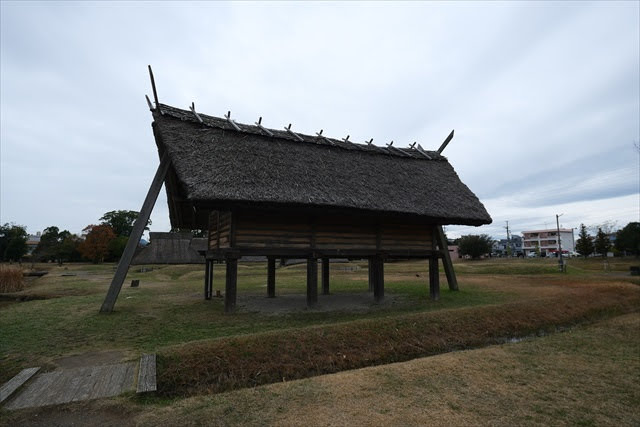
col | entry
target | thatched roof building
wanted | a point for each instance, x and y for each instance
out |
(280, 194)
(172, 248)
(214, 165)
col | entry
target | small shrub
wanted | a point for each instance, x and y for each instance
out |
(11, 279)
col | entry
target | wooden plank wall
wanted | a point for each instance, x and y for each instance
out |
(268, 230)
(255, 230)
(395, 235)
(219, 229)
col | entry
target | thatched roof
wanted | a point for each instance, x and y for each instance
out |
(213, 165)
(171, 248)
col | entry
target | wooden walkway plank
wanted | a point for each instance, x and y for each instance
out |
(14, 383)
(147, 374)
(76, 384)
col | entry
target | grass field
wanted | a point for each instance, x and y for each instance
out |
(498, 300)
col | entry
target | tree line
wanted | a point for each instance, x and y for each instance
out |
(627, 242)
(98, 243)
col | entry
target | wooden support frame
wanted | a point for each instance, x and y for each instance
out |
(271, 277)
(434, 279)
(231, 285)
(325, 276)
(378, 278)
(446, 258)
(312, 282)
(208, 279)
(136, 235)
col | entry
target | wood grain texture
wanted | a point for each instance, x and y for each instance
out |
(147, 374)
(16, 382)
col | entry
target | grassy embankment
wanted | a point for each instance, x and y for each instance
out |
(203, 350)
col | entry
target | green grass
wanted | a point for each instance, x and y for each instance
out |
(168, 308)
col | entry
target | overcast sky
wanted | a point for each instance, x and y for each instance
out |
(544, 97)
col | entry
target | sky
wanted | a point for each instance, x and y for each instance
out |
(544, 97)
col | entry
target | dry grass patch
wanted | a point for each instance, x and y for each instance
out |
(246, 361)
(11, 279)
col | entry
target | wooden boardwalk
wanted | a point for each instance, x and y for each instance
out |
(71, 385)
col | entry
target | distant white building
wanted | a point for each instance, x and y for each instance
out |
(546, 241)
(32, 242)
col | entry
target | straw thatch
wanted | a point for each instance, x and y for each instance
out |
(214, 165)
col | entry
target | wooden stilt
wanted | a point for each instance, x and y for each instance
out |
(446, 258)
(312, 282)
(434, 278)
(135, 236)
(271, 277)
(378, 283)
(371, 278)
(231, 285)
(211, 279)
(325, 276)
(207, 278)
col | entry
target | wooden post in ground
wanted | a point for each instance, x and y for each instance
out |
(271, 277)
(446, 258)
(370, 264)
(211, 280)
(434, 278)
(378, 282)
(312, 282)
(325, 276)
(135, 236)
(231, 284)
(207, 279)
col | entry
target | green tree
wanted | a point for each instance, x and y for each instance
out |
(116, 247)
(628, 239)
(56, 245)
(602, 243)
(69, 249)
(13, 242)
(584, 245)
(475, 245)
(121, 222)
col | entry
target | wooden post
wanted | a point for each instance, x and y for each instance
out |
(434, 278)
(325, 276)
(312, 282)
(135, 236)
(271, 277)
(371, 278)
(207, 278)
(378, 282)
(231, 285)
(446, 258)
(210, 279)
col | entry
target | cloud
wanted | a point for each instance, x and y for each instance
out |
(543, 96)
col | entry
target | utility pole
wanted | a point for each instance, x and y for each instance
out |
(508, 240)
(560, 263)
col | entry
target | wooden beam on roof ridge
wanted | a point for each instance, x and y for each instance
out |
(149, 103)
(233, 123)
(264, 129)
(192, 107)
(423, 152)
(298, 137)
(446, 141)
(153, 86)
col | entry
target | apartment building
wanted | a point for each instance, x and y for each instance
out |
(546, 241)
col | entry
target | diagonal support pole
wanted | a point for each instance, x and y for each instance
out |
(446, 258)
(136, 235)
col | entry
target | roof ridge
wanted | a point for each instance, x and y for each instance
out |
(227, 123)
